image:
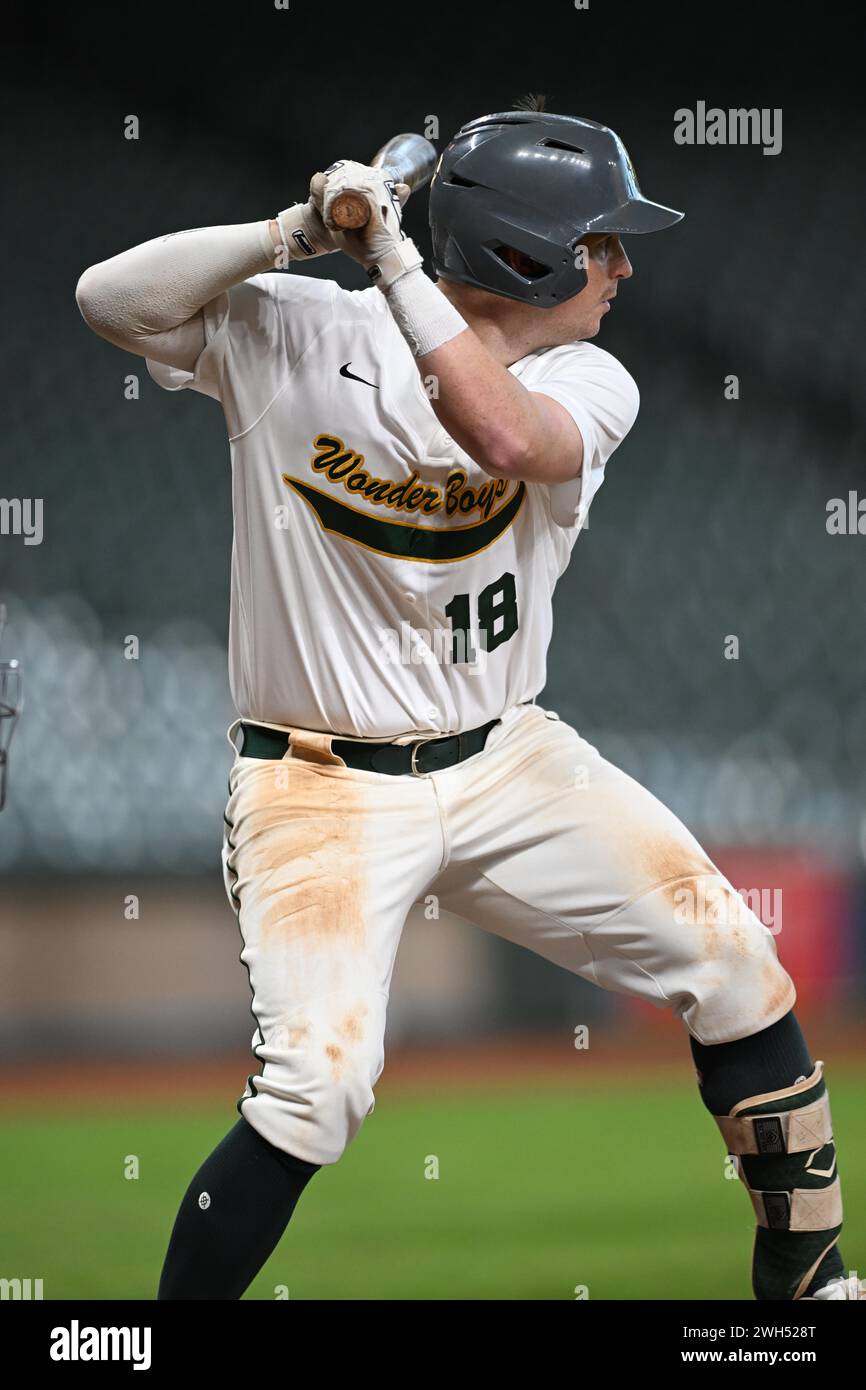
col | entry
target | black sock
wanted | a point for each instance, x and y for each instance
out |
(767, 1061)
(232, 1216)
(731, 1072)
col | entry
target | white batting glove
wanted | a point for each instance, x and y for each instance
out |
(303, 232)
(380, 247)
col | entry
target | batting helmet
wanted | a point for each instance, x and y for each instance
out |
(537, 183)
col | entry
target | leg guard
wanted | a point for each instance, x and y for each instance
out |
(783, 1143)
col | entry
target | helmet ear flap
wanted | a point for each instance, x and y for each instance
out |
(579, 260)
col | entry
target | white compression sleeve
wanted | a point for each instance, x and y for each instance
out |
(154, 287)
(422, 313)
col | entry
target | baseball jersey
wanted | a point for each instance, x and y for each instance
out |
(381, 582)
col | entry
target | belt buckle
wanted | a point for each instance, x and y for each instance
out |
(415, 746)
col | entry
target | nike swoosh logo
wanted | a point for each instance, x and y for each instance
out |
(344, 371)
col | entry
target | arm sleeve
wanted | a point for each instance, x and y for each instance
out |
(254, 334)
(144, 299)
(603, 400)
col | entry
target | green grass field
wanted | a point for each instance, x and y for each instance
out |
(620, 1188)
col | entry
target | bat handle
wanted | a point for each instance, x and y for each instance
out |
(405, 158)
(350, 211)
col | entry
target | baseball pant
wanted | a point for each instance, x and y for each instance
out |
(537, 838)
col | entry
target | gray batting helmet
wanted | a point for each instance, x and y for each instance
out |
(538, 183)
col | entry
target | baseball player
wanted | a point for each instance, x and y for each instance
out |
(412, 464)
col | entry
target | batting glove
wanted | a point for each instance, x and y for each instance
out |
(381, 246)
(303, 232)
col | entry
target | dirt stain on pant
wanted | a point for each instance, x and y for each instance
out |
(668, 863)
(352, 1025)
(778, 986)
(335, 1056)
(297, 1033)
(300, 846)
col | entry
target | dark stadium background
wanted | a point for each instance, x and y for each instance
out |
(131, 1035)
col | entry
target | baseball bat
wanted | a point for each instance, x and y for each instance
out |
(405, 159)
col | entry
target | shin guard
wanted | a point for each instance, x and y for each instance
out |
(783, 1144)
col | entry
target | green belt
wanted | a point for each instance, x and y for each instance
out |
(395, 759)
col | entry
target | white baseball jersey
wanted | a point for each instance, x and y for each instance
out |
(382, 583)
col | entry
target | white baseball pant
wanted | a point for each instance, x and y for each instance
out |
(537, 838)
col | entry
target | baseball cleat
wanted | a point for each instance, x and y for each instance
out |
(842, 1288)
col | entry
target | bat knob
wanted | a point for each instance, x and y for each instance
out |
(350, 211)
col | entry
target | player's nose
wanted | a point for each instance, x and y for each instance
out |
(622, 266)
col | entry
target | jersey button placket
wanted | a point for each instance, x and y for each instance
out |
(420, 600)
